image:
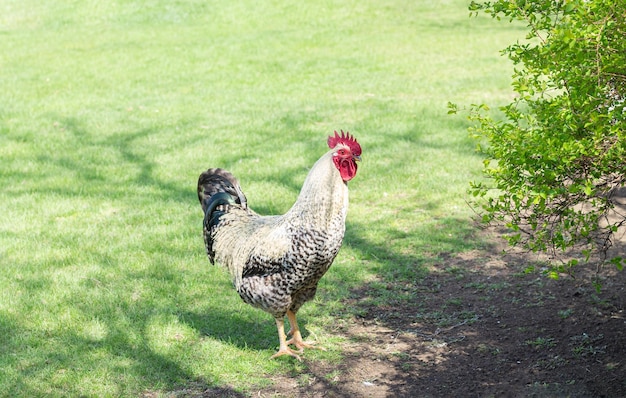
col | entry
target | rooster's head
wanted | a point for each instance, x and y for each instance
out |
(347, 152)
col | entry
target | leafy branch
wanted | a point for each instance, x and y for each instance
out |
(555, 159)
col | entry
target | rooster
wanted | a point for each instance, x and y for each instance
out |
(276, 262)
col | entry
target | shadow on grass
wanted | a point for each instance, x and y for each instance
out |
(112, 361)
(476, 325)
(437, 321)
(232, 328)
(117, 356)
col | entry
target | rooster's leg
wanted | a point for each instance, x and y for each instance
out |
(284, 346)
(296, 336)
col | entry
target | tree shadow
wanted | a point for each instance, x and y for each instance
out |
(122, 343)
(65, 350)
(466, 319)
(451, 317)
(247, 334)
(477, 323)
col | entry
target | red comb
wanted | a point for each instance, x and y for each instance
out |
(345, 139)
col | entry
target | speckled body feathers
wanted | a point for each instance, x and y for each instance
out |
(275, 262)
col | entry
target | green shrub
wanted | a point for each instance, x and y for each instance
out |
(555, 160)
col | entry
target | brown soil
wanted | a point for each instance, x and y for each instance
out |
(479, 327)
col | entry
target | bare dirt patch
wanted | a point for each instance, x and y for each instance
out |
(478, 327)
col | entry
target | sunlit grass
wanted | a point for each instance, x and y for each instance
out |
(110, 110)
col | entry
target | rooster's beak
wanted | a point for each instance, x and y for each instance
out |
(357, 158)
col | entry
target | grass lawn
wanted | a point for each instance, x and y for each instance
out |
(109, 111)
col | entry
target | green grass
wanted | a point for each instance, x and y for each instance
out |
(110, 110)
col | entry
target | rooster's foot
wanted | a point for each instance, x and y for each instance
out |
(297, 341)
(287, 351)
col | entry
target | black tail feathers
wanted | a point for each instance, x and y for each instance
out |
(217, 190)
(211, 213)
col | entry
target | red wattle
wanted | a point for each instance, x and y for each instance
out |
(347, 168)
